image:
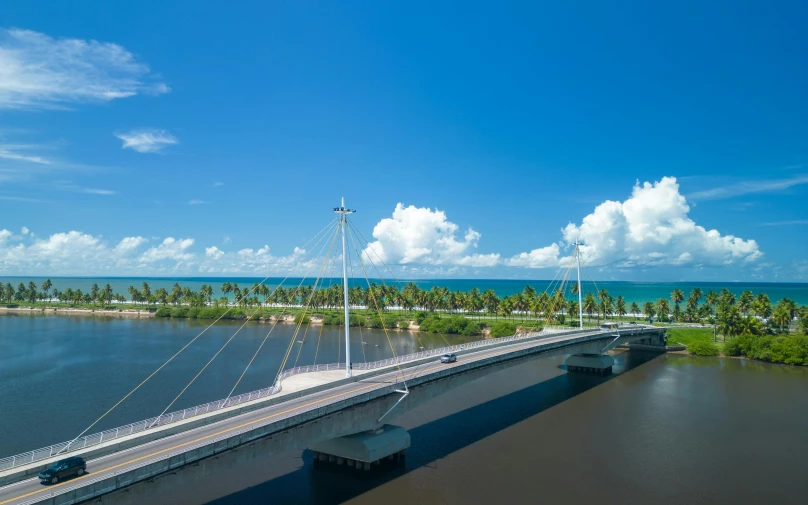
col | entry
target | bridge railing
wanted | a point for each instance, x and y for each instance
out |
(181, 415)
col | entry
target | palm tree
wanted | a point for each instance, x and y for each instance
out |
(161, 295)
(634, 309)
(729, 318)
(490, 301)
(145, 291)
(603, 295)
(649, 310)
(46, 286)
(762, 306)
(106, 294)
(749, 326)
(32, 292)
(573, 309)
(677, 296)
(712, 301)
(745, 302)
(226, 288)
(590, 305)
(663, 309)
(505, 307)
(781, 316)
(206, 291)
(620, 306)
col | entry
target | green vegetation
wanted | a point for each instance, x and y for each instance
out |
(703, 349)
(748, 325)
(788, 349)
(502, 329)
(451, 325)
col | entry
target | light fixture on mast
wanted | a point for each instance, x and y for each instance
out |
(343, 221)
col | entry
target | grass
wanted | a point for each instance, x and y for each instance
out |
(690, 336)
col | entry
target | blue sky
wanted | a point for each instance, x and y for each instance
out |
(157, 131)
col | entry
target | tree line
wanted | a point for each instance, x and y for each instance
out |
(748, 314)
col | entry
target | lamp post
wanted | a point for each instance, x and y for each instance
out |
(343, 221)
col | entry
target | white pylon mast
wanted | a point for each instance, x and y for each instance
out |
(343, 221)
(580, 303)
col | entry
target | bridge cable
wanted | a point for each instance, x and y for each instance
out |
(325, 301)
(317, 282)
(315, 297)
(247, 320)
(375, 303)
(303, 316)
(393, 275)
(172, 357)
(277, 320)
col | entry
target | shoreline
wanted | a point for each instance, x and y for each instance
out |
(73, 311)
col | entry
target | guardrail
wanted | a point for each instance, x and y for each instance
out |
(173, 417)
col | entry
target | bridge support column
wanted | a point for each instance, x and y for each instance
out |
(600, 364)
(361, 450)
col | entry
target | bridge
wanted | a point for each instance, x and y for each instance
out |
(305, 407)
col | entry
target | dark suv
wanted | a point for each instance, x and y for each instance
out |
(62, 469)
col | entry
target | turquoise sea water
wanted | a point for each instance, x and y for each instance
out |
(639, 292)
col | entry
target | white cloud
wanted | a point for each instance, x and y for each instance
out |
(217, 184)
(650, 228)
(64, 253)
(77, 253)
(95, 191)
(747, 187)
(214, 252)
(543, 257)
(25, 230)
(129, 244)
(419, 235)
(787, 223)
(169, 249)
(38, 71)
(12, 152)
(197, 202)
(146, 140)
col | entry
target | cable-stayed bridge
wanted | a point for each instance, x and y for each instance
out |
(305, 406)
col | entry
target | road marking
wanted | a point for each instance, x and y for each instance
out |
(184, 444)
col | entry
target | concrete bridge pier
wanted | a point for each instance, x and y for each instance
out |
(600, 364)
(361, 450)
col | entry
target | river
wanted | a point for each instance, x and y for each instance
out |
(668, 429)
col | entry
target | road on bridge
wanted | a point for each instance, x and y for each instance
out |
(31, 490)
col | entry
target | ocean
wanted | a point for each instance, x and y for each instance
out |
(639, 292)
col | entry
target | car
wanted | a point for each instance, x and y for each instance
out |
(63, 469)
(632, 322)
(448, 358)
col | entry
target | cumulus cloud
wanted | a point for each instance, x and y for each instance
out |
(650, 228)
(38, 71)
(419, 235)
(77, 253)
(543, 257)
(146, 140)
(63, 253)
(170, 249)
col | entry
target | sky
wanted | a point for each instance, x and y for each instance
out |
(474, 139)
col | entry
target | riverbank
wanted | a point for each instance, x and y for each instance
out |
(75, 311)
